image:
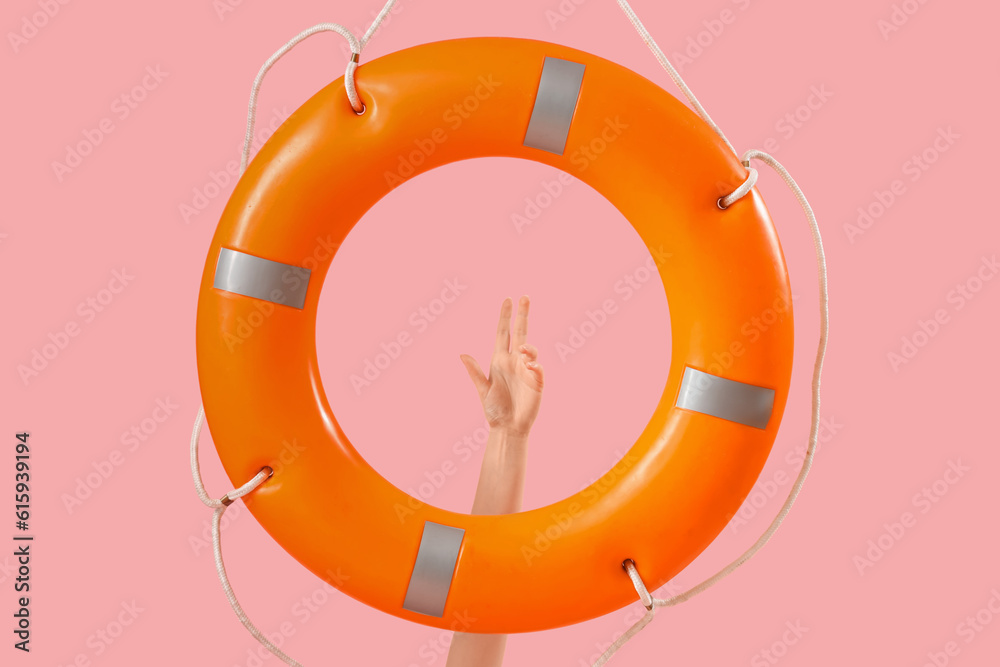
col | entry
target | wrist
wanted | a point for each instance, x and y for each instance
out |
(508, 436)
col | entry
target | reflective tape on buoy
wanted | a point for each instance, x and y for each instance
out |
(727, 399)
(555, 104)
(259, 278)
(434, 569)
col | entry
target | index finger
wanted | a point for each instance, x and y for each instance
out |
(503, 327)
(521, 322)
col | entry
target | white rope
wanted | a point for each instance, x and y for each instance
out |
(376, 24)
(640, 586)
(813, 429)
(824, 333)
(220, 505)
(817, 372)
(196, 471)
(726, 201)
(627, 635)
(352, 65)
(738, 193)
(674, 74)
(647, 601)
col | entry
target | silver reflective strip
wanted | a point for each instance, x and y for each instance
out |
(435, 566)
(555, 103)
(261, 278)
(727, 399)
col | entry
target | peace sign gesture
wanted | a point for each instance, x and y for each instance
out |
(513, 391)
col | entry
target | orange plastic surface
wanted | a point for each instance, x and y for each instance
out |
(684, 478)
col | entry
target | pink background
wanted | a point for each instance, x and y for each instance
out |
(889, 432)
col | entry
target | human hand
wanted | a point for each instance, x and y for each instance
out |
(513, 391)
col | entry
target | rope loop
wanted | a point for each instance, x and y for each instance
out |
(647, 601)
(221, 505)
(350, 85)
(352, 65)
(740, 192)
(256, 481)
(824, 332)
(640, 587)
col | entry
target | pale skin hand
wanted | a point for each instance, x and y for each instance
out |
(510, 397)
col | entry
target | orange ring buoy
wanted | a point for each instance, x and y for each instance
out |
(727, 289)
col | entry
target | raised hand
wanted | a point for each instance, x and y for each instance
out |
(513, 391)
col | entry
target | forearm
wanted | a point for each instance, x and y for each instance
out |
(501, 486)
(469, 650)
(501, 479)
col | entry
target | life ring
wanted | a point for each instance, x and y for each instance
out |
(731, 324)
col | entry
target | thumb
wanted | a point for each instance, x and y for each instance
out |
(478, 378)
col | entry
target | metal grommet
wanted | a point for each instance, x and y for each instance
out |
(718, 202)
(364, 107)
